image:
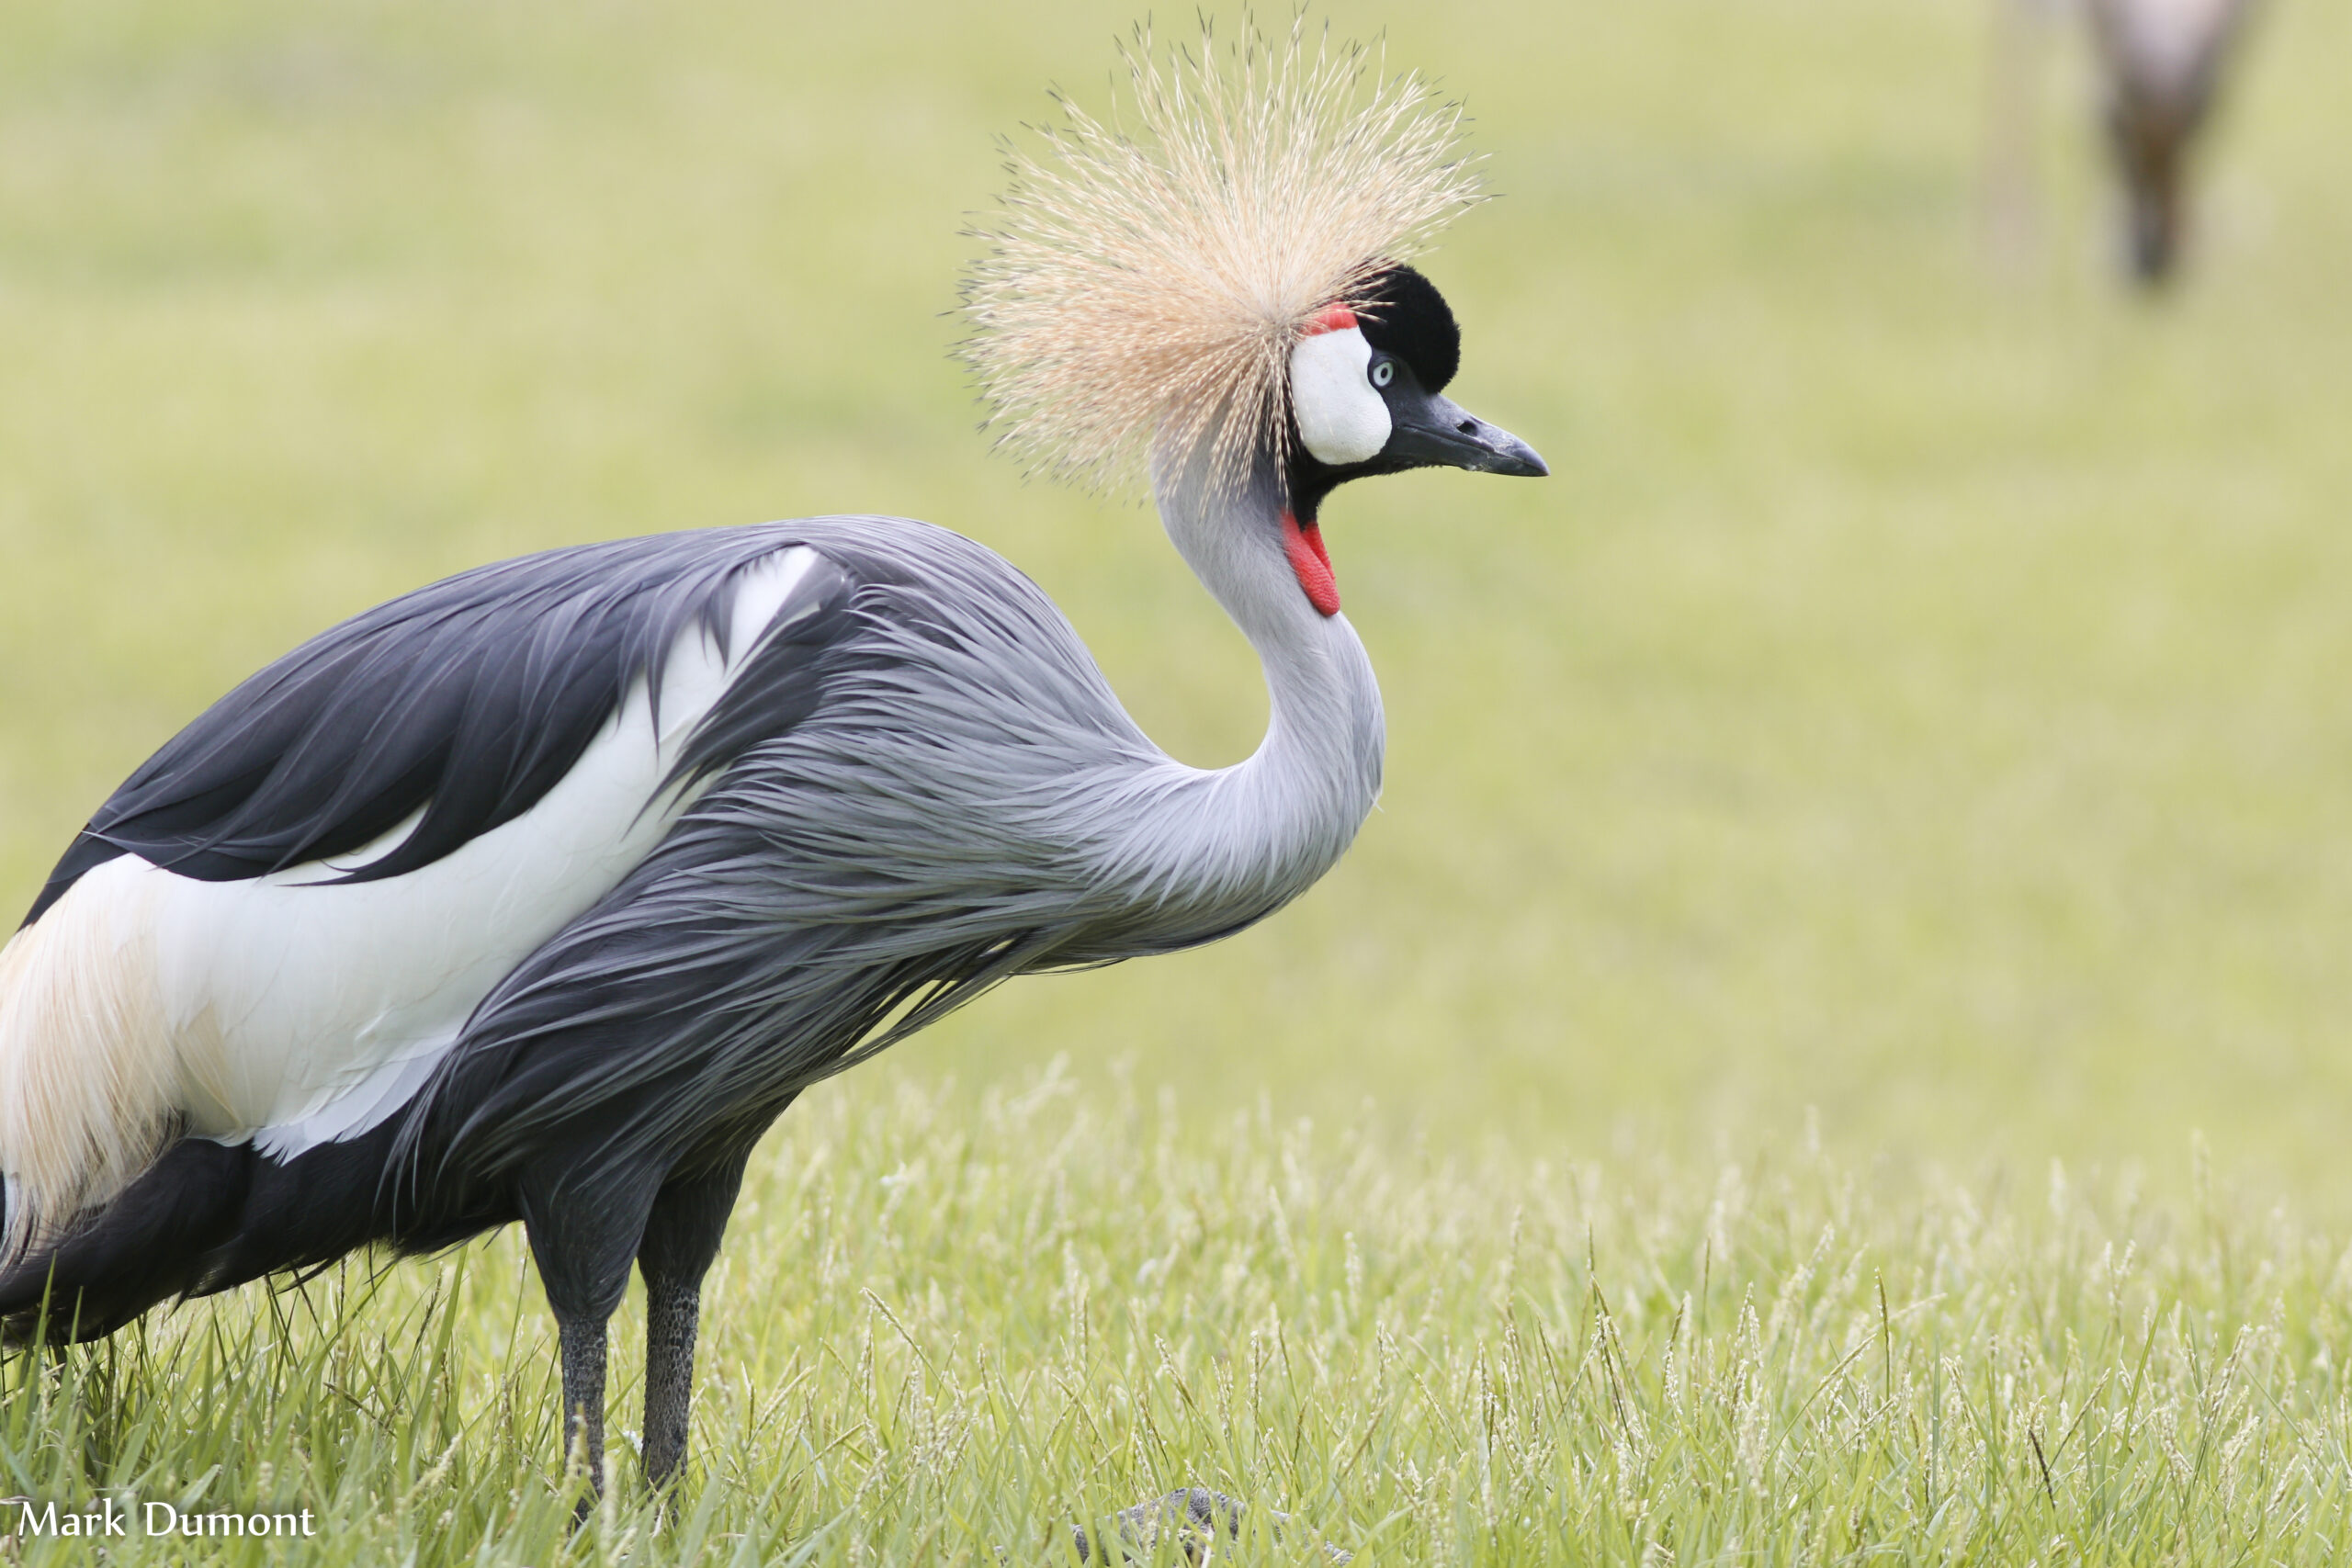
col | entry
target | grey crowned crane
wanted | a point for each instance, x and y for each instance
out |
(2163, 62)
(539, 893)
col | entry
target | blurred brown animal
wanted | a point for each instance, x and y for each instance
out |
(2163, 61)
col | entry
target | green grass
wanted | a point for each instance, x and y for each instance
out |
(946, 1330)
(1914, 709)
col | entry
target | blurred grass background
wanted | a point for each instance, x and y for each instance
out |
(1918, 695)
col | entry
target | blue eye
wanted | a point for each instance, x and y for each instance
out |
(1384, 372)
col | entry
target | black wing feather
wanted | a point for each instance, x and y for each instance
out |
(469, 698)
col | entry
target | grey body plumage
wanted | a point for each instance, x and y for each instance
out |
(963, 800)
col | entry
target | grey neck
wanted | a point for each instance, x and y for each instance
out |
(1232, 844)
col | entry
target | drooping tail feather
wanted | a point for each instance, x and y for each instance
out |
(208, 1217)
(153, 1242)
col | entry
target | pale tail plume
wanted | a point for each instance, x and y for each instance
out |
(1150, 276)
(87, 1080)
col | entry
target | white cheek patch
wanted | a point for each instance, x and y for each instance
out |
(1341, 419)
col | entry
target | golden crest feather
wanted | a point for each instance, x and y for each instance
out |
(1147, 278)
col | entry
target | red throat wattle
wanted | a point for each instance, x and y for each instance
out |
(1303, 543)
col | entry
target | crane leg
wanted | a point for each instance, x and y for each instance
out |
(682, 1236)
(585, 1226)
(582, 1341)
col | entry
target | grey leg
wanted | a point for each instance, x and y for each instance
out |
(682, 1236)
(583, 1339)
(585, 1225)
(673, 1312)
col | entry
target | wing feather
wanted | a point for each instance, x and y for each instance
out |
(296, 904)
(468, 699)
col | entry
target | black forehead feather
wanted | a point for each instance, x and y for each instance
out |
(1404, 315)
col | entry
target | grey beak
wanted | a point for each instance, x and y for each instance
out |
(1442, 434)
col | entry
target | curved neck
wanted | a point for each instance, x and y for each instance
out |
(1257, 834)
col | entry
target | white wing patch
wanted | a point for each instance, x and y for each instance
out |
(1341, 419)
(293, 1014)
